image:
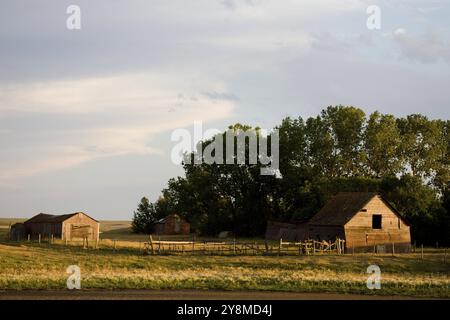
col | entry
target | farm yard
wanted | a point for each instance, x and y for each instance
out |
(118, 262)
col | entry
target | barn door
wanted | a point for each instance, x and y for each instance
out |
(81, 231)
(177, 226)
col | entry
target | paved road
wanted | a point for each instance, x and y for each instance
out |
(179, 295)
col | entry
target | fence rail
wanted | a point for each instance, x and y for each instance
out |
(228, 247)
(306, 247)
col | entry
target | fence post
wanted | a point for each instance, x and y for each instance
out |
(39, 238)
(421, 248)
(28, 237)
(234, 245)
(114, 245)
(280, 245)
(151, 245)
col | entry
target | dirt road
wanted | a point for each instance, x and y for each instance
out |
(180, 295)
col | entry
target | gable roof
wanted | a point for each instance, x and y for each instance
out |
(173, 215)
(50, 218)
(343, 206)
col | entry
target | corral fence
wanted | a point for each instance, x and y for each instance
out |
(226, 247)
(229, 247)
(306, 247)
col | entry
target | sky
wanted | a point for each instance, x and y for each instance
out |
(86, 115)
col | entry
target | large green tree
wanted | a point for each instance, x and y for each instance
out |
(382, 146)
(144, 217)
(406, 159)
(346, 128)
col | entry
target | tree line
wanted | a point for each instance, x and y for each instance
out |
(406, 159)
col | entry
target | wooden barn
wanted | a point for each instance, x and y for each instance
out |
(365, 220)
(76, 225)
(172, 224)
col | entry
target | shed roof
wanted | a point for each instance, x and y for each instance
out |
(342, 207)
(50, 218)
(173, 215)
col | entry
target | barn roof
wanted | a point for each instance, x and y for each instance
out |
(342, 207)
(50, 218)
(163, 220)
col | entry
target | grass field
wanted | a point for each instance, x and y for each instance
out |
(41, 266)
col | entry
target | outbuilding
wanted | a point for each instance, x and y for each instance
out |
(172, 224)
(76, 225)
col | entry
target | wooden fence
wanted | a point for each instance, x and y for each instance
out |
(306, 247)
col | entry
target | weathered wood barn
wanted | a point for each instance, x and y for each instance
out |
(76, 225)
(364, 220)
(172, 224)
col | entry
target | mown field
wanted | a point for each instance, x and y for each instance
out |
(43, 266)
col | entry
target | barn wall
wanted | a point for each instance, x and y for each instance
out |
(360, 235)
(45, 229)
(169, 226)
(81, 226)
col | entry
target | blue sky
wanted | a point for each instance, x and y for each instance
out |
(86, 115)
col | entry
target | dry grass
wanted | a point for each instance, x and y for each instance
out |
(41, 267)
(34, 266)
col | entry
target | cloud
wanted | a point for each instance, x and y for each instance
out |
(233, 4)
(112, 116)
(425, 48)
(138, 69)
(221, 96)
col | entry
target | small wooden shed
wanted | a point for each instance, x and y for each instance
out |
(76, 225)
(172, 224)
(17, 232)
